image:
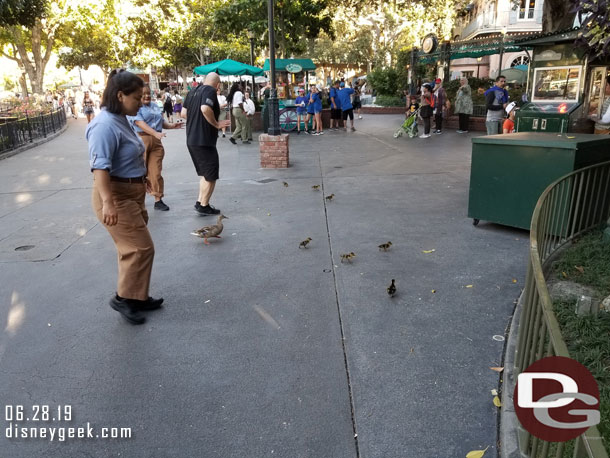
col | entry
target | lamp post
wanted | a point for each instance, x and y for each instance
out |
(479, 59)
(501, 51)
(206, 52)
(274, 115)
(251, 36)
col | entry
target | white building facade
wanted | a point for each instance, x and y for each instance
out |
(494, 18)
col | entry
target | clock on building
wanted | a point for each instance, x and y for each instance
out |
(429, 43)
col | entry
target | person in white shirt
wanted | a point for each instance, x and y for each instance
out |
(236, 97)
(249, 109)
(222, 102)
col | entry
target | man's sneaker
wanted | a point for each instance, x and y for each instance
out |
(321, 132)
(160, 205)
(207, 210)
(307, 132)
(315, 133)
(232, 140)
(438, 132)
(425, 136)
(223, 135)
(353, 129)
(247, 142)
(127, 310)
(459, 131)
(359, 117)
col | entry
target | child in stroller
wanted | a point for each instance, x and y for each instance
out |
(409, 126)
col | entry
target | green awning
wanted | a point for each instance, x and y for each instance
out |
(474, 49)
(228, 67)
(280, 64)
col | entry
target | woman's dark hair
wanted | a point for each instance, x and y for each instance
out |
(236, 87)
(119, 80)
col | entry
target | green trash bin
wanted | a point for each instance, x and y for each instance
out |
(546, 117)
(509, 172)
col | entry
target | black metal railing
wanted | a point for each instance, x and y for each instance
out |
(15, 133)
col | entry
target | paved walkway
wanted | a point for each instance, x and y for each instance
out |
(262, 349)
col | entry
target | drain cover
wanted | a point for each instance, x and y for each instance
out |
(24, 247)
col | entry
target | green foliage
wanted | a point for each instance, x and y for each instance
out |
(389, 101)
(595, 24)
(9, 84)
(21, 12)
(384, 81)
(593, 255)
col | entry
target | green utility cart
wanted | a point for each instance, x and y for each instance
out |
(509, 172)
(546, 117)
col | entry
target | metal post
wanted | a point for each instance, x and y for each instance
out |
(274, 115)
(44, 128)
(413, 82)
(252, 63)
(27, 121)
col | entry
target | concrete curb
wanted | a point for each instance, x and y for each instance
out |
(35, 143)
(509, 424)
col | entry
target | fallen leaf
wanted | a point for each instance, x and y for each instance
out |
(477, 453)
(567, 136)
(497, 369)
(412, 349)
(497, 402)
(581, 269)
(469, 286)
(514, 280)
(428, 251)
(433, 291)
(494, 392)
(268, 214)
(565, 275)
(207, 301)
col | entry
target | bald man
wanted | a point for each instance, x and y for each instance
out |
(201, 110)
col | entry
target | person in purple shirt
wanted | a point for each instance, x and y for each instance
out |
(116, 157)
(149, 124)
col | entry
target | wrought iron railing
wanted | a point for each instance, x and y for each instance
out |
(15, 133)
(572, 205)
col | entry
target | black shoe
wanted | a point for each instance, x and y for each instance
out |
(232, 140)
(250, 140)
(160, 205)
(247, 142)
(127, 310)
(207, 210)
(298, 132)
(223, 135)
(147, 305)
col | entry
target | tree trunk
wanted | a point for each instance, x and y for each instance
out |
(556, 15)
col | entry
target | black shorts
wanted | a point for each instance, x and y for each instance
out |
(356, 104)
(168, 109)
(348, 114)
(205, 160)
(335, 113)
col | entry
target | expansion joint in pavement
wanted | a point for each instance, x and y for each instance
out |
(347, 374)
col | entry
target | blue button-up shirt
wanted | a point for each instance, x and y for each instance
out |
(151, 115)
(114, 146)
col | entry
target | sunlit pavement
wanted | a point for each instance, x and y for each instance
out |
(262, 349)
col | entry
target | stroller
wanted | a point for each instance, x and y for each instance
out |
(408, 127)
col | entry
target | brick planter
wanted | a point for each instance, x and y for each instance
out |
(274, 151)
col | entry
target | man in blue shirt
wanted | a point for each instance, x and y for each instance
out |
(346, 106)
(335, 106)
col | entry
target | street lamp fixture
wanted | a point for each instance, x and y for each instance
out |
(479, 59)
(503, 31)
(274, 112)
(251, 36)
(207, 52)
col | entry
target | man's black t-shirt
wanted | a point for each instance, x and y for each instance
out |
(199, 132)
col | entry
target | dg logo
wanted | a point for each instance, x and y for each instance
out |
(556, 399)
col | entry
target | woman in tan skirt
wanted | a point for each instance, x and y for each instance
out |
(116, 156)
(149, 125)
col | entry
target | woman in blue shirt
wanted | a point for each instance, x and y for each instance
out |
(317, 107)
(149, 124)
(116, 156)
(301, 103)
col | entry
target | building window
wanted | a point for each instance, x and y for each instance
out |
(468, 74)
(526, 9)
(521, 60)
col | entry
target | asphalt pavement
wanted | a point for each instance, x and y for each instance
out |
(262, 349)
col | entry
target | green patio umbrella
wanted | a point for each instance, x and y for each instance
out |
(228, 67)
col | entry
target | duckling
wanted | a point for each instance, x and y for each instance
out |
(285, 184)
(210, 231)
(385, 246)
(316, 187)
(329, 198)
(391, 289)
(348, 256)
(305, 242)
